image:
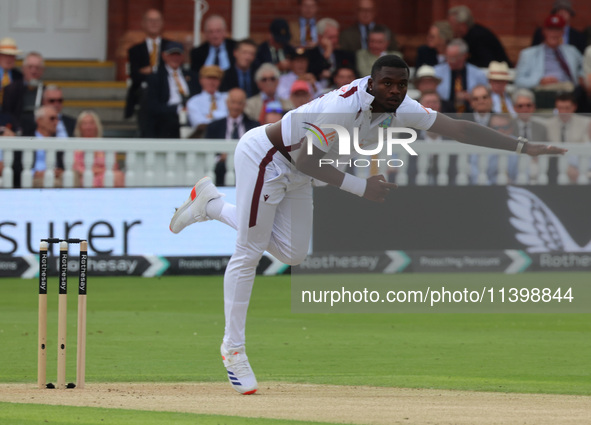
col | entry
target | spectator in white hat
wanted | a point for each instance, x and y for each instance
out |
(426, 81)
(499, 77)
(8, 73)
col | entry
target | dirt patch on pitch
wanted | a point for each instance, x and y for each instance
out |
(324, 403)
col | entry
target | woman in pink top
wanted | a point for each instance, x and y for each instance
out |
(89, 125)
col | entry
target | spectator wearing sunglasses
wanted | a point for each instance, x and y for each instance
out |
(504, 124)
(53, 96)
(481, 105)
(47, 119)
(524, 102)
(267, 80)
(528, 125)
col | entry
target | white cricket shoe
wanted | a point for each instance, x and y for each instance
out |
(194, 208)
(240, 373)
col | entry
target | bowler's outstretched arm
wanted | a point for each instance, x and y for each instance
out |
(475, 134)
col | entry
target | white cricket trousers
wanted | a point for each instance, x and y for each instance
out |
(273, 213)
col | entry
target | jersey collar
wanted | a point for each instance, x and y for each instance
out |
(364, 97)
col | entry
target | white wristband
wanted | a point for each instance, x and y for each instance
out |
(354, 185)
(521, 142)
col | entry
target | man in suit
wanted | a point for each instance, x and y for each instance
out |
(566, 127)
(210, 104)
(46, 118)
(299, 64)
(167, 94)
(217, 49)
(430, 99)
(22, 97)
(552, 64)
(53, 96)
(356, 37)
(503, 123)
(433, 53)
(483, 44)
(241, 73)
(378, 42)
(231, 127)
(481, 104)
(277, 49)
(305, 33)
(570, 35)
(144, 58)
(524, 102)
(267, 80)
(527, 126)
(458, 77)
(326, 56)
(8, 73)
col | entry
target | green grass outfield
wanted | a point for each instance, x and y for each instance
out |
(169, 330)
(34, 414)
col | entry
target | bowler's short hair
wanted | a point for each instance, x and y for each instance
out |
(391, 61)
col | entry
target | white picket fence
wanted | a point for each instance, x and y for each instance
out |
(148, 162)
(174, 162)
(529, 170)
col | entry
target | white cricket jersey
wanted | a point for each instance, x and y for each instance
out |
(350, 107)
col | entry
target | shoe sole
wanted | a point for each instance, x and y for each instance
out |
(249, 392)
(186, 204)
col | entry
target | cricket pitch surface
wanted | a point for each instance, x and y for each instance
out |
(323, 403)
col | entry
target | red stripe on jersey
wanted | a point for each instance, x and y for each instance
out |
(258, 187)
(349, 92)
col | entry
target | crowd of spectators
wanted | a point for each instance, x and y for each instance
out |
(223, 87)
(31, 108)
